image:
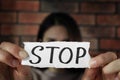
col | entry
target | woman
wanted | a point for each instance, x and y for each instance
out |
(56, 27)
(59, 27)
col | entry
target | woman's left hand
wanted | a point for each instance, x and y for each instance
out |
(105, 66)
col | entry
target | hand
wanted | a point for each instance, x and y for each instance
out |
(103, 67)
(10, 59)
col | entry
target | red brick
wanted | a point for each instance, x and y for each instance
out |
(118, 32)
(97, 7)
(108, 19)
(108, 0)
(61, 6)
(20, 5)
(93, 43)
(19, 29)
(68, 7)
(84, 18)
(110, 44)
(8, 4)
(35, 18)
(27, 5)
(7, 17)
(101, 31)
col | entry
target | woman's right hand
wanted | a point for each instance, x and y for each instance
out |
(10, 63)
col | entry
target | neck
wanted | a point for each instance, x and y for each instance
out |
(57, 70)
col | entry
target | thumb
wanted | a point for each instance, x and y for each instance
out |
(90, 74)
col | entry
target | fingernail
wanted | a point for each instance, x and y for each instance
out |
(23, 54)
(15, 63)
(116, 78)
(93, 64)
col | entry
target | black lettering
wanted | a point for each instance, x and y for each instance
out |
(78, 52)
(71, 55)
(52, 52)
(33, 52)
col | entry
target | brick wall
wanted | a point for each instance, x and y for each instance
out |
(99, 20)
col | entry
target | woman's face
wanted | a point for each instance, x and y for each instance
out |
(56, 33)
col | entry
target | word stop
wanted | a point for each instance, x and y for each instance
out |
(57, 54)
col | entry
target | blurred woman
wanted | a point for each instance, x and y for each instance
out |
(56, 27)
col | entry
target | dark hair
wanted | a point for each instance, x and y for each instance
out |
(68, 22)
(63, 19)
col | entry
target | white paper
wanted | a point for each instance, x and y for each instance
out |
(61, 55)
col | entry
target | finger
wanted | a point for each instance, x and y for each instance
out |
(8, 59)
(116, 78)
(22, 73)
(112, 67)
(109, 76)
(90, 74)
(102, 59)
(14, 50)
(119, 76)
